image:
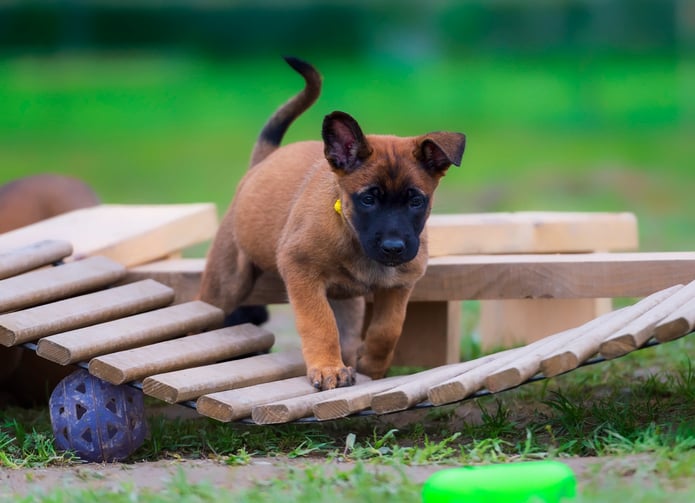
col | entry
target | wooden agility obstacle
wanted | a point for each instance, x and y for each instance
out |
(178, 352)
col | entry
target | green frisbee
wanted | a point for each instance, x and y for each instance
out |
(529, 482)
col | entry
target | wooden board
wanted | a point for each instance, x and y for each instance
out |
(191, 351)
(133, 331)
(462, 277)
(26, 258)
(531, 232)
(128, 234)
(31, 324)
(54, 283)
(189, 384)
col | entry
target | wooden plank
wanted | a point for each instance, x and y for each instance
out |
(356, 398)
(531, 232)
(189, 384)
(635, 334)
(292, 409)
(416, 390)
(235, 404)
(677, 324)
(50, 284)
(32, 256)
(563, 276)
(574, 353)
(129, 234)
(191, 351)
(125, 333)
(31, 324)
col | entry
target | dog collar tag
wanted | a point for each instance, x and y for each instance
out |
(338, 207)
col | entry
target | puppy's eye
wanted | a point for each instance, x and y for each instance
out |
(416, 201)
(368, 199)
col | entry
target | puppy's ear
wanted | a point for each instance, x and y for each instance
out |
(345, 146)
(438, 151)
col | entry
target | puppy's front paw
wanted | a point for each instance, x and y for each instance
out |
(324, 378)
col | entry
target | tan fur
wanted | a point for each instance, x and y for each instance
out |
(282, 219)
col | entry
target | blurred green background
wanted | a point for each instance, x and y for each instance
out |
(578, 105)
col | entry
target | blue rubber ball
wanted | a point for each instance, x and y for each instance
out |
(97, 420)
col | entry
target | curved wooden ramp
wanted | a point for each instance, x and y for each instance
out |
(77, 314)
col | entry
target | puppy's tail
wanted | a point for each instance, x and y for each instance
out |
(277, 125)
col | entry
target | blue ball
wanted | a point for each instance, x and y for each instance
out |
(97, 420)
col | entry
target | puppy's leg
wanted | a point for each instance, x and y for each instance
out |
(318, 330)
(376, 353)
(349, 315)
(228, 276)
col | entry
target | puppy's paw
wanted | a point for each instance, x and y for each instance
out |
(374, 368)
(331, 377)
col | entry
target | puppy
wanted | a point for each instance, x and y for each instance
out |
(338, 219)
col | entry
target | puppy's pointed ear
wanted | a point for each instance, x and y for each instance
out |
(438, 151)
(345, 146)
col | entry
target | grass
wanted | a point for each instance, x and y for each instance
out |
(579, 135)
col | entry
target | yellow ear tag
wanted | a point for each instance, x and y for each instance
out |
(338, 207)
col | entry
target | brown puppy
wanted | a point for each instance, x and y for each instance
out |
(338, 219)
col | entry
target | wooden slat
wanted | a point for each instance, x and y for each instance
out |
(129, 234)
(30, 257)
(563, 276)
(189, 384)
(531, 232)
(31, 324)
(237, 404)
(355, 398)
(292, 409)
(190, 351)
(415, 390)
(125, 333)
(639, 331)
(54, 283)
(677, 324)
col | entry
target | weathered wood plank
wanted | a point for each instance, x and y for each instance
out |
(128, 234)
(189, 384)
(531, 232)
(235, 404)
(54, 283)
(564, 276)
(26, 258)
(125, 333)
(292, 409)
(191, 351)
(677, 324)
(636, 333)
(31, 324)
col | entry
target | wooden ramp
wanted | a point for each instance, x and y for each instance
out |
(81, 313)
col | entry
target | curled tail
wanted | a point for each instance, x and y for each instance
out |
(277, 125)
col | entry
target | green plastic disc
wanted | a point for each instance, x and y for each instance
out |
(529, 482)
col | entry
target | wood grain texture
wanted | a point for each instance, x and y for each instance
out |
(190, 351)
(125, 333)
(31, 324)
(676, 324)
(578, 351)
(636, 333)
(26, 258)
(563, 276)
(292, 409)
(531, 232)
(128, 234)
(55, 283)
(192, 383)
(237, 404)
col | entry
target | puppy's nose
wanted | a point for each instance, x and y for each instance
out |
(393, 247)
